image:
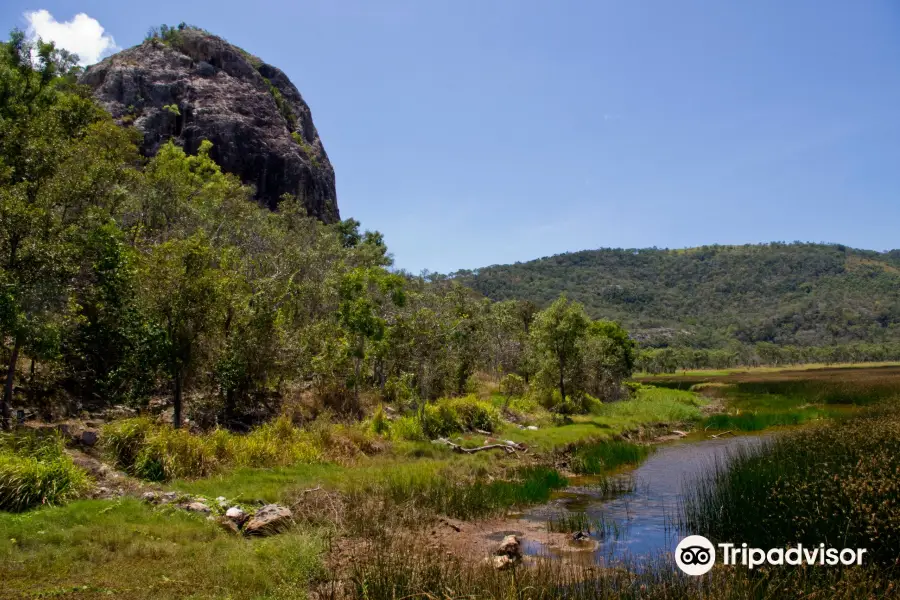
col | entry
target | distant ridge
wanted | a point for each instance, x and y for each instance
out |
(711, 296)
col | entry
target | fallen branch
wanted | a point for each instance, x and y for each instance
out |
(718, 435)
(458, 448)
(679, 433)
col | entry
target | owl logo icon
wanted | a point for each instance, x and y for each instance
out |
(695, 555)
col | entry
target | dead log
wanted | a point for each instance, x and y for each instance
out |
(505, 447)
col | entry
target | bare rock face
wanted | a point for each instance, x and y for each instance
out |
(197, 86)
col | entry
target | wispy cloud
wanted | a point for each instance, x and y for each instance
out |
(83, 35)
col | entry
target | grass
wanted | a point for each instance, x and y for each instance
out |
(444, 493)
(34, 471)
(765, 370)
(400, 568)
(655, 405)
(650, 406)
(569, 522)
(159, 453)
(757, 421)
(835, 483)
(125, 549)
(596, 459)
(369, 485)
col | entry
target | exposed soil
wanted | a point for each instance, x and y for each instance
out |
(109, 483)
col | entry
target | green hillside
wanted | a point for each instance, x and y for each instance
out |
(803, 294)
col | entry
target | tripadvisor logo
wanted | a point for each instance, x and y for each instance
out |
(696, 555)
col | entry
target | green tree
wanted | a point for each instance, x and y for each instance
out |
(364, 296)
(556, 333)
(181, 285)
(45, 127)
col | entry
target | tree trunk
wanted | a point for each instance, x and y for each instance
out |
(229, 407)
(31, 390)
(356, 384)
(562, 383)
(176, 416)
(8, 387)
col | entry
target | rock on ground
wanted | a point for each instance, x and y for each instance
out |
(510, 546)
(268, 520)
(236, 515)
(198, 507)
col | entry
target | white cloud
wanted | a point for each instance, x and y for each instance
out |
(83, 35)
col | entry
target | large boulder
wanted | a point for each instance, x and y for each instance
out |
(193, 86)
(269, 520)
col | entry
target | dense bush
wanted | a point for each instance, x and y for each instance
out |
(35, 470)
(455, 415)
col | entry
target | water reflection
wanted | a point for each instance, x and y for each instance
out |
(638, 516)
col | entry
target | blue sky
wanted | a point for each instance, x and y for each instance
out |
(476, 132)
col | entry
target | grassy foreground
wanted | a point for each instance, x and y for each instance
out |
(358, 490)
(369, 475)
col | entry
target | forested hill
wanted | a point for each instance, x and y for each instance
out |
(803, 294)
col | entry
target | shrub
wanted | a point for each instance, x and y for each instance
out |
(472, 413)
(439, 420)
(380, 424)
(455, 415)
(35, 470)
(512, 385)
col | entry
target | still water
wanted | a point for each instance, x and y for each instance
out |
(640, 522)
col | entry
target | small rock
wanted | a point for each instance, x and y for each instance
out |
(236, 515)
(511, 547)
(532, 428)
(198, 507)
(169, 497)
(579, 536)
(227, 524)
(150, 497)
(89, 437)
(268, 520)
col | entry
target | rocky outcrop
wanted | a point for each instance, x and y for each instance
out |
(193, 86)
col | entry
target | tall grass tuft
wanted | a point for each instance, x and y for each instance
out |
(653, 404)
(594, 459)
(836, 484)
(402, 568)
(35, 470)
(160, 453)
(464, 497)
(571, 522)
